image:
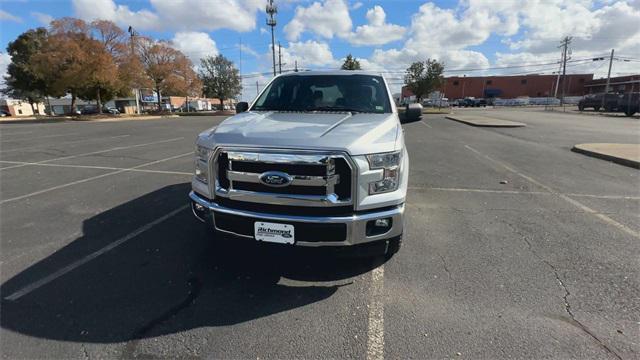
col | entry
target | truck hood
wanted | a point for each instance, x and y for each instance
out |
(357, 133)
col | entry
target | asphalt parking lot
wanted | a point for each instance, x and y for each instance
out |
(514, 247)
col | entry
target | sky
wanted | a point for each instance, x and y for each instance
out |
(471, 37)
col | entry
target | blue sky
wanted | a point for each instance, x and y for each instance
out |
(472, 37)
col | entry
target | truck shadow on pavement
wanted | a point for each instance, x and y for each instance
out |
(174, 276)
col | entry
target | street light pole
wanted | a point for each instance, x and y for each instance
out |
(132, 34)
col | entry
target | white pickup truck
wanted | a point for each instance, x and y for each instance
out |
(318, 159)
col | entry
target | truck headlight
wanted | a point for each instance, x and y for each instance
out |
(390, 163)
(202, 163)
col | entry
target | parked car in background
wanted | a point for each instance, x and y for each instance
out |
(4, 113)
(629, 103)
(111, 110)
(595, 101)
(89, 111)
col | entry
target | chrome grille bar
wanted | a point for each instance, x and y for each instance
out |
(300, 180)
(306, 169)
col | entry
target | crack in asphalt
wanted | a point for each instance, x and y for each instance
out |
(84, 351)
(565, 297)
(195, 285)
(449, 276)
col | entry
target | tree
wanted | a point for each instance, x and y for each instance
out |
(220, 79)
(73, 62)
(168, 69)
(351, 63)
(424, 77)
(22, 82)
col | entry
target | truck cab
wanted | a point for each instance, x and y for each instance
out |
(318, 159)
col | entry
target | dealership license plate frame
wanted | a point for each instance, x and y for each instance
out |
(278, 233)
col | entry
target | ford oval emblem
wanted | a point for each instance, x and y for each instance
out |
(275, 179)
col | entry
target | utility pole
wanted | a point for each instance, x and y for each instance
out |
(464, 77)
(565, 46)
(279, 58)
(241, 87)
(271, 21)
(296, 67)
(132, 34)
(606, 87)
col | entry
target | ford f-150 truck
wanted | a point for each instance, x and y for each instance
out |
(318, 159)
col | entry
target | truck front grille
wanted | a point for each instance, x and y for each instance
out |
(314, 179)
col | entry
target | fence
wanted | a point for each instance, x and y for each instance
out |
(535, 101)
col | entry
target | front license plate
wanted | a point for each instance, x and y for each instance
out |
(275, 233)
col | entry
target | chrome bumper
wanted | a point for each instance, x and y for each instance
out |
(356, 224)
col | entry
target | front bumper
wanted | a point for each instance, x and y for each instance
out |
(355, 224)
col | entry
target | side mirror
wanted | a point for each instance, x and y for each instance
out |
(413, 112)
(241, 107)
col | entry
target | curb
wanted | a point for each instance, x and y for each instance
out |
(495, 124)
(73, 119)
(600, 155)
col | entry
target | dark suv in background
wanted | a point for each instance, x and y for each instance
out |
(627, 103)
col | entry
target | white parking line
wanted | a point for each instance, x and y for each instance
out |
(375, 330)
(614, 197)
(90, 178)
(47, 279)
(38, 137)
(564, 197)
(479, 190)
(62, 143)
(97, 152)
(595, 196)
(98, 167)
(3, 132)
(425, 124)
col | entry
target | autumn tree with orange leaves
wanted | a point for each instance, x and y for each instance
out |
(98, 61)
(169, 70)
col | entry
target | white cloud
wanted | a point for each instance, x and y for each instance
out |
(120, 14)
(357, 5)
(178, 15)
(249, 50)
(308, 54)
(210, 15)
(5, 60)
(325, 19)
(331, 18)
(42, 18)
(377, 32)
(5, 16)
(195, 45)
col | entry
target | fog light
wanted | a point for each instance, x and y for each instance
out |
(199, 207)
(378, 226)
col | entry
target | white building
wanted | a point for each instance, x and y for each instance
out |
(17, 107)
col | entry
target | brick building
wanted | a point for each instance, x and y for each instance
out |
(618, 84)
(508, 87)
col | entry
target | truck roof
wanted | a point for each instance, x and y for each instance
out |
(332, 72)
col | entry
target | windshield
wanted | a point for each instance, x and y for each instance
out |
(357, 93)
